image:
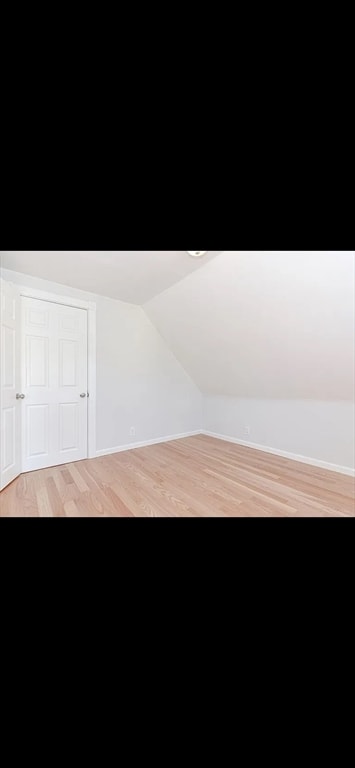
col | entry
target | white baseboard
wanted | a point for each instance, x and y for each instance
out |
(144, 443)
(266, 449)
(284, 454)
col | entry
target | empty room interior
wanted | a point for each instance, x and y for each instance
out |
(177, 384)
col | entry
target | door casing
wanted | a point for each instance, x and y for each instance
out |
(90, 307)
(10, 364)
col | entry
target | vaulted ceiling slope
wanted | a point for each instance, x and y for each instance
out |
(265, 324)
(132, 276)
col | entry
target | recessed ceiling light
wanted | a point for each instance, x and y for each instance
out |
(196, 254)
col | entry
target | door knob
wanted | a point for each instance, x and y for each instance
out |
(20, 397)
(83, 394)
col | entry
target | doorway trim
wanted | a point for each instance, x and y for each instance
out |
(90, 307)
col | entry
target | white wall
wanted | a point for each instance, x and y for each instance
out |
(139, 381)
(265, 324)
(312, 429)
(269, 339)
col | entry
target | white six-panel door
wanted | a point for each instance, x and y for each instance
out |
(54, 384)
(10, 408)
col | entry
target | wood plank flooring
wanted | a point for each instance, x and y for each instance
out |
(194, 477)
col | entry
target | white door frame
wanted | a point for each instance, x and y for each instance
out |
(11, 471)
(90, 307)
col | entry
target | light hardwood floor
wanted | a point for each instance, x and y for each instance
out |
(194, 477)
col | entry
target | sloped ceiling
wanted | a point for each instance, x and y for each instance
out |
(132, 276)
(265, 324)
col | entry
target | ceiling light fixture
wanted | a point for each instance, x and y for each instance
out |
(196, 254)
